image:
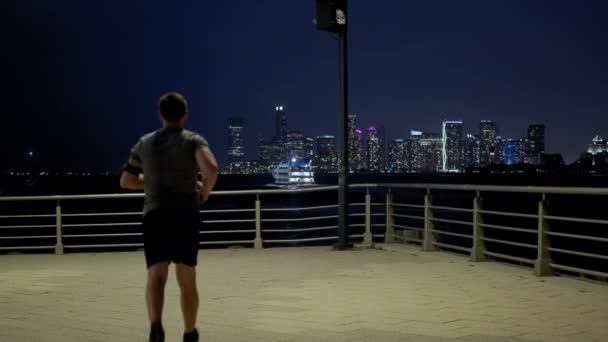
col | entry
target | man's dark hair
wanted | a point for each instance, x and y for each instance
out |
(172, 106)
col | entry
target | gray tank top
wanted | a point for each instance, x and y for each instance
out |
(170, 169)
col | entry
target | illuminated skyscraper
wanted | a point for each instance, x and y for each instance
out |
(452, 158)
(536, 144)
(513, 151)
(352, 148)
(425, 151)
(433, 154)
(309, 149)
(373, 150)
(280, 123)
(471, 151)
(397, 156)
(383, 146)
(413, 153)
(433, 146)
(508, 152)
(520, 151)
(359, 156)
(487, 142)
(269, 154)
(293, 145)
(326, 158)
(496, 150)
(236, 142)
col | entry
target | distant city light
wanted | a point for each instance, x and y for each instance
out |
(451, 150)
(451, 146)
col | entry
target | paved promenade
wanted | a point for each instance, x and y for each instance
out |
(300, 294)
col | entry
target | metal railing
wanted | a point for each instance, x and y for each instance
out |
(408, 213)
(428, 236)
(250, 222)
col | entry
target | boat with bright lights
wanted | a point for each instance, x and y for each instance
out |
(294, 173)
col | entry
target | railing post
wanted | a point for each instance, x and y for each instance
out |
(478, 244)
(389, 235)
(543, 260)
(59, 244)
(258, 223)
(367, 236)
(429, 238)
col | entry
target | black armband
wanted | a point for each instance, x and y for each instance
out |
(134, 170)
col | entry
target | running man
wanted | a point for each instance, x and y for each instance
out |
(171, 158)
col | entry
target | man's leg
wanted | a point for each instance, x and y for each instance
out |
(155, 290)
(186, 278)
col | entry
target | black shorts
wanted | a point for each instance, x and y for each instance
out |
(171, 235)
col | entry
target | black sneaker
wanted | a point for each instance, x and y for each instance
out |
(191, 336)
(157, 333)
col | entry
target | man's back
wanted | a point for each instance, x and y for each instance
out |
(165, 164)
(170, 168)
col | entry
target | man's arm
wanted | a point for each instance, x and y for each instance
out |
(131, 177)
(209, 169)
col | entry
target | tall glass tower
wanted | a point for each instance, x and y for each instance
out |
(487, 140)
(374, 157)
(535, 147)
(471, 151)
(397, 156)
(236, 141)
(326, 156)
(452, 158)
(280, 123)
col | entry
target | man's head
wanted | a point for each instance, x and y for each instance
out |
(173, 108)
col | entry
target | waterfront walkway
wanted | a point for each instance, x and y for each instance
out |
(301, 294)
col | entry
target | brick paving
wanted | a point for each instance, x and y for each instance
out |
(301, 294)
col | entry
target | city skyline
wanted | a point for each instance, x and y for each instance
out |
(452, 150)
(522, 132)
(370, 151)
(453, 141)
(449, 151)
(82, 79)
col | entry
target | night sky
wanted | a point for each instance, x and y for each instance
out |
(80, 79)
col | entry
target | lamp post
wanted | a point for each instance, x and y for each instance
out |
(331, 17)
